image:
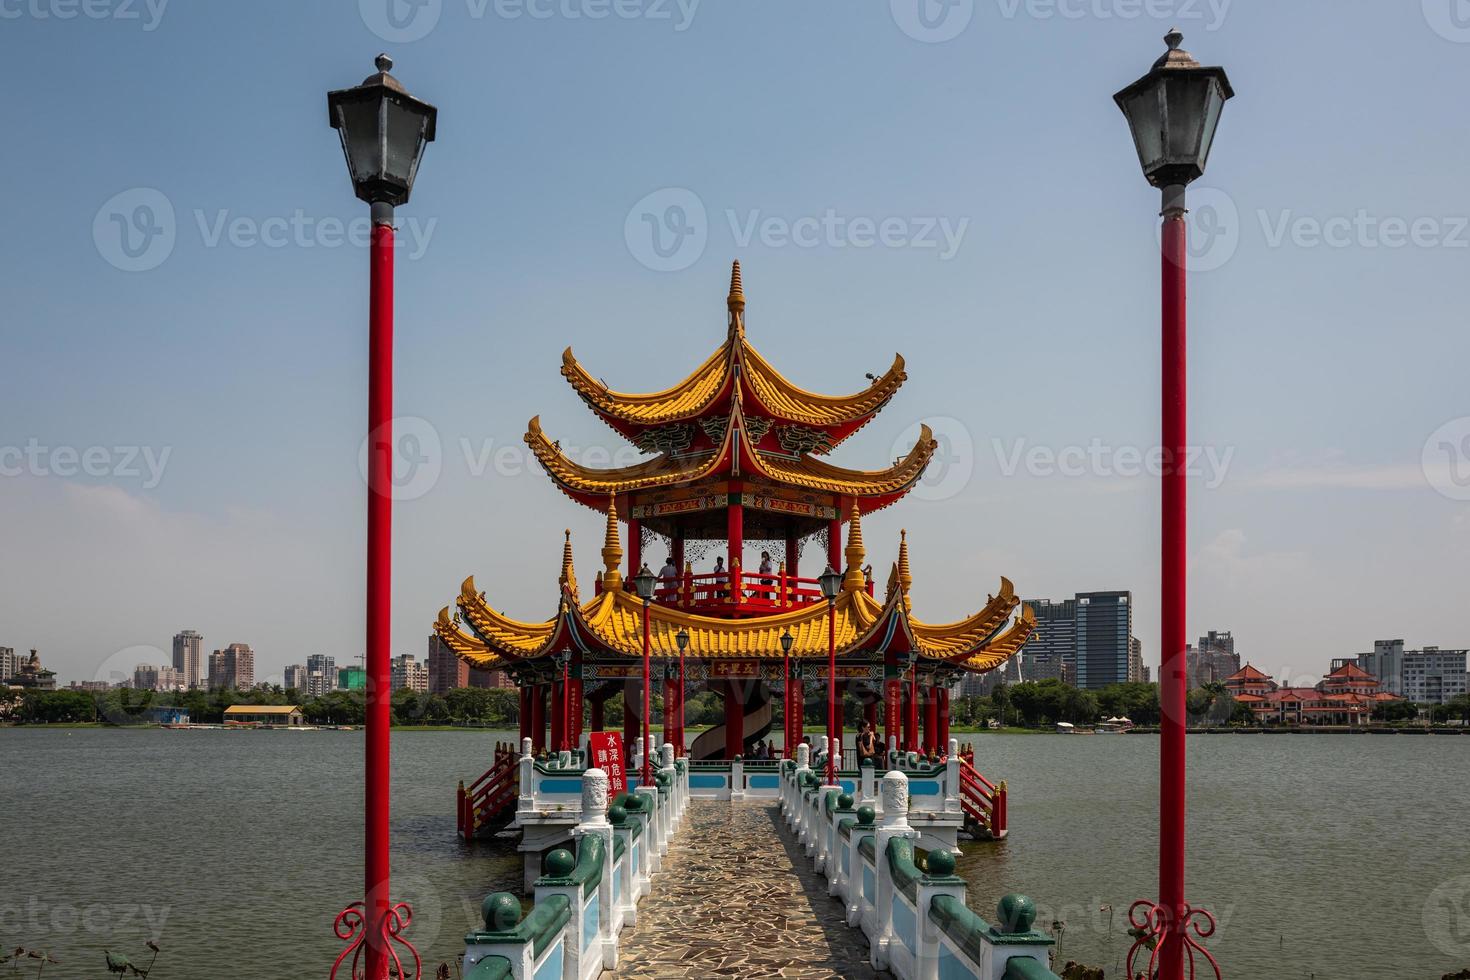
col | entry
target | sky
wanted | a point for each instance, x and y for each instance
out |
(184, 341)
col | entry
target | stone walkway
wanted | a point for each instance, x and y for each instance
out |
(736, 899)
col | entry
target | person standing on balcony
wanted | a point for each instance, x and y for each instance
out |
(720, 577)
(766, 571)
(668, 579)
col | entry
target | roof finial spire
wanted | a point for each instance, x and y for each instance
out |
(854, 579)
(905, 576)
(568, 577)
(612, 550)
(736, 300)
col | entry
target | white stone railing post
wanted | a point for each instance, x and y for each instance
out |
(501, 912)
(594, 824)
(939, 879)
(527, 799)
(652, 827)
(952, 778)
(894, 822)
(737, 779)
(867, 784)
(836, 877)
(559, 866)
(864, 826)
(627, 901)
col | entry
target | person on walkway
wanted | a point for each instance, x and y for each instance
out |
(867, 744)
(720, 577)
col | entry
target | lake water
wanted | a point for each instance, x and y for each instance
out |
(1321, 856)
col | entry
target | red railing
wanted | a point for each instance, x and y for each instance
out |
(488, 797)
(984, 802)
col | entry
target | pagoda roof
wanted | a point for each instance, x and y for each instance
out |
(1248, 673)
(612, 623)
(1352, 671)
(735, 456)
(736, 371)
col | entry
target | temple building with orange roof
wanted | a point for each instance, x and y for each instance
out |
(1347, 696)
(738, 465)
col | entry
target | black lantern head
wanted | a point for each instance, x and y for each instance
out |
(383, 131)
(1173, 112)
(682, 638)
(786, 640)
(831, 581)
(644, 582)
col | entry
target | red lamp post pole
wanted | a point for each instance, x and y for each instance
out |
(647, 774)
(683, 749)
(787, 751)
(566, 706)
(379, 586)
(1172, 682)
(831, 692)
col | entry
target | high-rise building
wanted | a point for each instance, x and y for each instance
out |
(1054, 644)
(232, 667)
(296, 677)
(1212, 661)
(189, 657)
(1427, 676)
(351, 679)
(146, 677)
(321, 675)
(8, 663)
(1104, 626)
(408, 672)
(446, 671)
(1137, 672)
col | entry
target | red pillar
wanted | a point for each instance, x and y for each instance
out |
(734, 719)
(630, 714)
(1172, 641)
(892, 711)
(525, 716)
(942, 694)
(870, 711)
(798, 712)
(678, 549)
(379, 592)
(931, 719)
(538, 717)
(635, 549)
(838, 719)
(670, 709)
(793, 557)
(558, 714)
(913, 712)
(735, 535)
(574, 708)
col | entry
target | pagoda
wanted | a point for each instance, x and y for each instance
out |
(737, 468)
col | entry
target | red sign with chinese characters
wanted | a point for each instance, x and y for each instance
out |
(607, 755)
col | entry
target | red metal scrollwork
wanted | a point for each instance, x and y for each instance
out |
(1150, 922)
(351, 927)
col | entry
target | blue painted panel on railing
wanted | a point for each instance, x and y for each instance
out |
(636, 865)
(589, 922)
(704, 780)
(924, 787)
(551, 967)
(632, 783)
(848, 786)
(953, 966)
(904, 923)
(867, 882)
(764, 782)
(561, 786)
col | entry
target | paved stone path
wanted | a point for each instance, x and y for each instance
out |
(735, 899)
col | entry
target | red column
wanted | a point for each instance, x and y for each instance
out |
(837, 718)
(942, 694)
(630, 714)
(635, 549)
(793, 557)
(525, 718)
(670, 709)
(678, 549)
(892, 712)
(931, 719)
(574, 708)
(734, 719)
(538, 717)
(798, 713)
(1172, 641)
(558, 713)
(734, 528)
(379, 593)
(913, 712)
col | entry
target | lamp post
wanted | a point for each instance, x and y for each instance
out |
(1173, 112)
(643, 584)
(831, 581)
(786, 640)
(682, 639)
(383, 131)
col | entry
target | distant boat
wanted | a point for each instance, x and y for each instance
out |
(1113, 726)
(1066, 728)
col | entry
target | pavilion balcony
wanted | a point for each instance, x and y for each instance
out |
(736, 594)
